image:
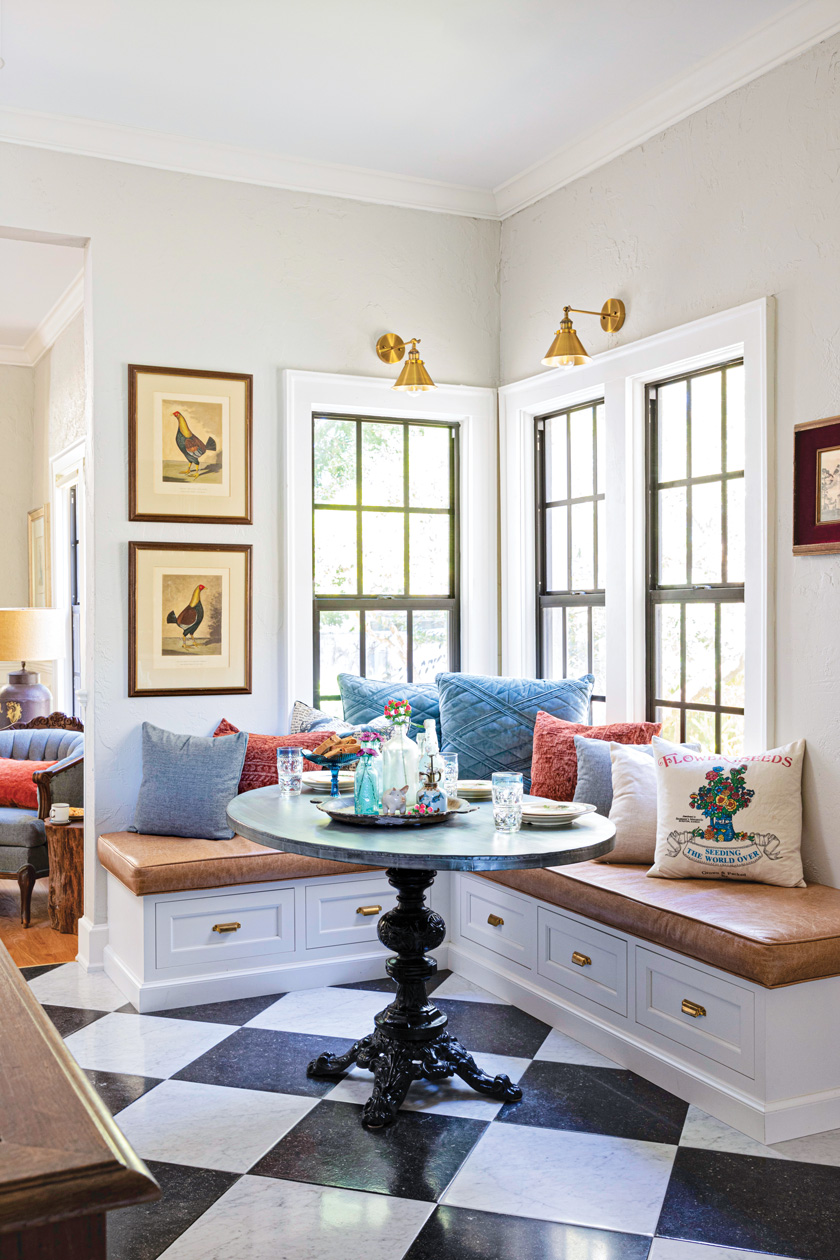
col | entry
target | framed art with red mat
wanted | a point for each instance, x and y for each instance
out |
(816, 486)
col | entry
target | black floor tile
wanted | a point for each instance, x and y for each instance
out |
(29, 973)
(464, 1234)
(145, 1231)
(490, 1028)
(118, 1089)
(596, 1100)
(238, 1011)
(416, 1158)
(259, 1058)
(69, 1019)
(777, 1206)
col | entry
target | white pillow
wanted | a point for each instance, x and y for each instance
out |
(729, 817)
(633, 809)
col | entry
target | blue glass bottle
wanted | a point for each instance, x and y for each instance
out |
(367, 787)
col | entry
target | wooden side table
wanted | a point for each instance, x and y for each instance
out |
(65, 844)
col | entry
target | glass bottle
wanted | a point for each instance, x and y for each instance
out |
(367, 784)
(400, 761)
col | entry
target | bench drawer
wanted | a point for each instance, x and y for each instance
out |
(185, 936)
(708, 1014)
(334, 911)
(499, 920)
(584, 959)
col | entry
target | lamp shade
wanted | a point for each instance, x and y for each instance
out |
(414, 376)
(566, 350)
(34, 634)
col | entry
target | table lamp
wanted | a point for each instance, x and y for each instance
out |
(35, 634)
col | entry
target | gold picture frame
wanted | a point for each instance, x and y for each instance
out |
(189, 619)
(189, 445)
(40, 559)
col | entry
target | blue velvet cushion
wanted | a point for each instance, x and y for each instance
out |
(365, 698)
(489, 722)
(594, 771)
(188, 782)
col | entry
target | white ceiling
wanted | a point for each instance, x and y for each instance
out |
(492, 102)
(36, 282)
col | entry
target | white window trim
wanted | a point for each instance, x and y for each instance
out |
(620, 376)
(475, 409)
(67, 469)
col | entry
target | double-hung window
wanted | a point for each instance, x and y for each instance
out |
(696, 555)
(570, 546)
(385, 550)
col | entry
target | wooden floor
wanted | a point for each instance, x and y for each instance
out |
(38, 944)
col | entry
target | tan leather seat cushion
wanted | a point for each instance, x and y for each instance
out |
(772, 936)
(162, 864)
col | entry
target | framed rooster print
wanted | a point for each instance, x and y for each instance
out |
(189, 619)
(189, 446)
(816, 486)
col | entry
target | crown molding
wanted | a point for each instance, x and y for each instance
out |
(777, 41)
(215, 160)
(50, 328)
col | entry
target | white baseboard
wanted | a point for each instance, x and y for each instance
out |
(162, 995)
(93, 939)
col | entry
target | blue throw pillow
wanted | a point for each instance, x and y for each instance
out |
(489, 722)
(365, 698)
(188, 782)
(594, 771)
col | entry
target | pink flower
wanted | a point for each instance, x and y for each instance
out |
(711, 775)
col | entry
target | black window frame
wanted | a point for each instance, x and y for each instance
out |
(547, 598)
(408, 603)
(656, 593)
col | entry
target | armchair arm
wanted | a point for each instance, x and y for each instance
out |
(62, 782)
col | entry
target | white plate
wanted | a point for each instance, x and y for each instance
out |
(475, 789)
(321, 780)
(555, 813)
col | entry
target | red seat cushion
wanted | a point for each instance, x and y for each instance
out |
(17, 787)
(260, 768)
(554, 763)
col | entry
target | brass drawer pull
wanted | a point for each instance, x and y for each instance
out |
(495, 921)
(694, 1009)
(581, 960)
(226, 927)
(368, 910)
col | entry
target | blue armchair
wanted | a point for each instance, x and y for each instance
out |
(23, 841)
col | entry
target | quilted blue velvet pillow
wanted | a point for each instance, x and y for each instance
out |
(365, 698)
(489, 722)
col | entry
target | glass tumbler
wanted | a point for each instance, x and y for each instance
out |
(290, 771)
(447, 763)
(507, 800)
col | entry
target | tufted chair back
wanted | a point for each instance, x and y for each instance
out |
(41, 745)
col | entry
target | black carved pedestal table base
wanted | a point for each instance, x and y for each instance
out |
(410, 1042)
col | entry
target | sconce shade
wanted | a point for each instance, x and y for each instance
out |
(34, 634)
(566, 350)
(414, 376)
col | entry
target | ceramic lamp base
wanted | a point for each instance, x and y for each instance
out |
(23, 698)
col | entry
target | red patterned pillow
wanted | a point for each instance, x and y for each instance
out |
(260, 768)
(17, 787)
(554, 764)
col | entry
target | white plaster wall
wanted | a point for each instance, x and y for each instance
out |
(59, 409)
(738, 201)
(192, 272)
(16, 408)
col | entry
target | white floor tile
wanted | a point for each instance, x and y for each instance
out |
(210, 1126)
(263, 1219)
(145, 1045)
(446, 1098)
(668, 1249)
(324, 1012)
(819, 1148)
(554, 1175)
(558, 1048)
(465, 991)
(71, 985)
(711, 1134)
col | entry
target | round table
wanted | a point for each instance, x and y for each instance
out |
(410, 1040)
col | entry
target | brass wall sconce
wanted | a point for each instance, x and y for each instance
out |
(567, 350)
(414, 376)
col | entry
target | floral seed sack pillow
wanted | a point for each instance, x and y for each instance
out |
(729, 817)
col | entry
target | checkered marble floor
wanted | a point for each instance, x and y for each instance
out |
(258, 1162)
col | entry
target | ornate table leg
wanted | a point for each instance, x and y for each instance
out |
(410, 1041)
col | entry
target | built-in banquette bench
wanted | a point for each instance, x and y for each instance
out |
(726, 994)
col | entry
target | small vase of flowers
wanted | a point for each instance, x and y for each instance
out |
(367, 781)
(400, 757)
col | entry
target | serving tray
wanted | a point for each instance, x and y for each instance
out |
(343, 810)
